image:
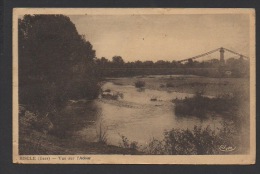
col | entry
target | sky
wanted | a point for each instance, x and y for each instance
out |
(163, 37)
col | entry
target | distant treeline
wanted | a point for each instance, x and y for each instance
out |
(119, 68)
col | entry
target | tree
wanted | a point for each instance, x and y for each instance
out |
(138, 64)
(103, 61)
(162, 64)
(49, 46)
(239, 67)
(148, 64)
(118, 61)
(55, 62)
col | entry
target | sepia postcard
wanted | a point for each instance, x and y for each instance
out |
(134, 86)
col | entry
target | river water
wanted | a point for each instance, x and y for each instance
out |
(136, 117)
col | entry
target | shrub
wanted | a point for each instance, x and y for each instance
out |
(42, 124)
(155, 147)
(198, 141)
(199, 105)
(40, 97)
(139, 84)
(127, 144)
(134, 145)
(79, 89)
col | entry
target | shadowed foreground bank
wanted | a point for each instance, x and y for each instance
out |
(33, 142)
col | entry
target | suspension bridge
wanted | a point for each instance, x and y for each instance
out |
(221, 50)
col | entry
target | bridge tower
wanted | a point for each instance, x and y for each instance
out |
(222, 60)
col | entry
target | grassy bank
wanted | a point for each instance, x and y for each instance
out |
(36, 140)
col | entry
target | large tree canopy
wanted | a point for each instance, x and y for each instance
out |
(49, 47)
(55, 62)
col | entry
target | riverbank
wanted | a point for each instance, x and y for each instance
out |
(35, 142)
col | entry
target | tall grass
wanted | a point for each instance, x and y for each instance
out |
(101, 133)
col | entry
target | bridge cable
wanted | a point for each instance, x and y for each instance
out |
(198, 56)
(236, 53)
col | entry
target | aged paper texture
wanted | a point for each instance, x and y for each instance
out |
(134, 86)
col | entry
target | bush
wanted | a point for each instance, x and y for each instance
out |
(198, 141)
(82, 89)
(155, 147)
(199, 105)
(127, 144)
(140, 84)
(40, 97)
(42, 124)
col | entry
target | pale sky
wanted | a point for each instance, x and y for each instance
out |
(164, 37)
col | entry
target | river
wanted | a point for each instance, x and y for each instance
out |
(136, 117)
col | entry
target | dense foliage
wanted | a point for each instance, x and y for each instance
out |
(197, 141)
(201, 106)
(55, 63)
